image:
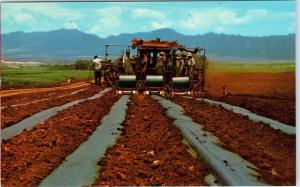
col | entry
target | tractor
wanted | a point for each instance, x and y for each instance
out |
(159, 67)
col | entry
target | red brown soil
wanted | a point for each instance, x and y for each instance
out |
(150, 151)
(31, 156)
(282, 110)
(12, 92)
(268, 94)
(268, 84)
(272, 151)
(12, 115)
(30, 97)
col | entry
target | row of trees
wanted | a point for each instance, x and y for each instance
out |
(77, 65)
(82, 64)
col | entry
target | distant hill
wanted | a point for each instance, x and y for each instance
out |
(69, 44)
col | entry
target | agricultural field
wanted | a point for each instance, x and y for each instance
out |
(162, 93)
(251, 66)
(43, 75)
(264, 79)
(256, 147)
(266, 89)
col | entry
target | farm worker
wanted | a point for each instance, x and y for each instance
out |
(190, 63)
(168, 64)
(184, 69)
(160, 62)
(179, 65)
(97, 69)
(144, 64)
(126, 63)
(133, 64)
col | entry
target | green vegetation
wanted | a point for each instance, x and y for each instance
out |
(251, 67)
(82, 64)
(79, 64)
(42, 75)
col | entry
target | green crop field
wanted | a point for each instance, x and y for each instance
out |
(250, 67)
(40, 75)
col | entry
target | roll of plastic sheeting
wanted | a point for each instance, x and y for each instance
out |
(80, 168)
(154, 80)
(181, 82)
(230, 168)
(127, 81)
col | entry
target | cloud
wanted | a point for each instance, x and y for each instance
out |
(159, 25)
(218, 17)
(17, 15)
(116, 18)
(50, 10)
(109, 18)
(292, 28)
(153, 19)
(71, 25)
(147, 13)
(12, 19)
(23, 18)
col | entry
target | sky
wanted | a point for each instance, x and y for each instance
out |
(247, 18)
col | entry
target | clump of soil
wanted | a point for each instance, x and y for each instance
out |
(31, 156)
(272, 151)
(150, 151)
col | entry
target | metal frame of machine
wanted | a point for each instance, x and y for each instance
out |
(145, 78)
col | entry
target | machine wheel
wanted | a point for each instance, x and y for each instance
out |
(169, 94)
(162, 93)
(115, 92)
(196, 93)
(140, 86)
(135, 93)
(191, 93)
(172, 94)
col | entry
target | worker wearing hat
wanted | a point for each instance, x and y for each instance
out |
(190, 63)
(160, 62)
(126, 63)
(184, 69)
(97, 69)
(179, 63)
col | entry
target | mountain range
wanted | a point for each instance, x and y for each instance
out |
(69, 44)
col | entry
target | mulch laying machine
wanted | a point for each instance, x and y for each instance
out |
(159, 67)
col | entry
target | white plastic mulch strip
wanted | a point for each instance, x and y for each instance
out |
(254, 117)
(229, 167)
(80, 168)
(33, 120)
(73, 93)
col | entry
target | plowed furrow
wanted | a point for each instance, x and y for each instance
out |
(272, 151)
(31, 156)
(150, 151)
(12, 115)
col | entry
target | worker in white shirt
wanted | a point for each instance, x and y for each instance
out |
(97, 69)
(126, 63)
